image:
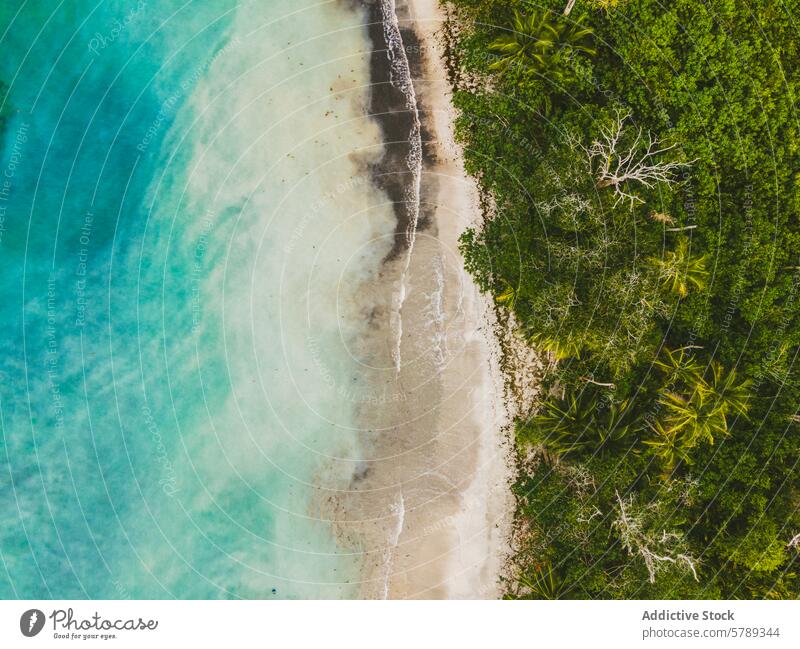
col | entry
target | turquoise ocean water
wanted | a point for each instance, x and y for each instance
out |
(185, 220)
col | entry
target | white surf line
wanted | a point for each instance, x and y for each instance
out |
(399, 510)
(435, 315)
(400, 77)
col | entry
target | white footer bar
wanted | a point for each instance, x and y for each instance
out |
(385, 625)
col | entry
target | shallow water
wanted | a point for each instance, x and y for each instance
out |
(186, 220)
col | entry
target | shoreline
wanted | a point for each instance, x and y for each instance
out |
(484, 522)
(432, 510)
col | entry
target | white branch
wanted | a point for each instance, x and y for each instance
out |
(637, 162)
(652, 550)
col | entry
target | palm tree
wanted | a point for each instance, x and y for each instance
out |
(562, 424)
(703, 415)
(544, 582)
(606, 5)
(537, 41)
(698, 417)
(575, 424)
(732, 394)
(679, 271)
(613, 431)
(508, 295)
(669, 447)
(678, 364)
(563, 346)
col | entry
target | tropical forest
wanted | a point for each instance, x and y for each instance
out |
(638, 164)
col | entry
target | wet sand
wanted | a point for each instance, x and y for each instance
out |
(430, 507)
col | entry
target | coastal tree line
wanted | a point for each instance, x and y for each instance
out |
(639, 169)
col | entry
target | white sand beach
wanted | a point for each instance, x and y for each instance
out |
(432, 509)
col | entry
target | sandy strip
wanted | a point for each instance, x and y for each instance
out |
(481, 523)
(431, 508)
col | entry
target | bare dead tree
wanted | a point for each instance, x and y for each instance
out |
(661, 217)
(653, 550)
(579, 479)
(622, 161)
(795, 542)
(569, 7)
(588, 519)
(602, 385)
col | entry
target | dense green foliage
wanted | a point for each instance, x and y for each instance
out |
(640, 166)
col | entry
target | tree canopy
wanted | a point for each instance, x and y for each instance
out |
(643, 225)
